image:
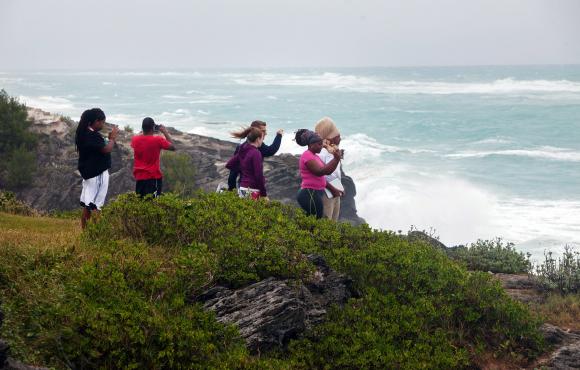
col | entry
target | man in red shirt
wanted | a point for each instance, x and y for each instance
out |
(147, 148)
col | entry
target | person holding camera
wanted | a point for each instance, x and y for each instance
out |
(147, 149)
(327, 130)
(94, 161)
(313, 171)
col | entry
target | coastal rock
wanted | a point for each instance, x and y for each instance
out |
(565, 358)
(57, 183)
(520, 287)
(271, 312)
(567, 353)
(555, 335)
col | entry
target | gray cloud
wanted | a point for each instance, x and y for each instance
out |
(259, 33)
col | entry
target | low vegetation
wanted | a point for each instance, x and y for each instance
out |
(562, 274)
(560, 310)
(492, 255)
(123, 293)
(9, 204)
(178, 173)
(17, 144)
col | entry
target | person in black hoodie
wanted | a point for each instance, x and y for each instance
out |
(94, 161)
(265, 150)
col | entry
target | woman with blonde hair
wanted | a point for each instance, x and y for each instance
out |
(327, 130)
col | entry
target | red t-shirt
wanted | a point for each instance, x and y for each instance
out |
(147, 149)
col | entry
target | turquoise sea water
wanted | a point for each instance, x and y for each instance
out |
(473, 152)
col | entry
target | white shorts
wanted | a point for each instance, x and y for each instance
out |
(95, 191)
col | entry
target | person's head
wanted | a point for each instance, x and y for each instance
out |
(255, 137)
(327, 130)
(91, 118)
(148, 125)
(245, 131)
(309, 138)
(260, 125)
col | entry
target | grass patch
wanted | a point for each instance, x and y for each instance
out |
(560, 310)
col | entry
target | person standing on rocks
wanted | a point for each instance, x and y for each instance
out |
(312, 172)
(248, 160)
(147, 150)
(94, 161)
(327, 130)
(265, 150)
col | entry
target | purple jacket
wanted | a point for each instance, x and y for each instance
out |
(250, 163)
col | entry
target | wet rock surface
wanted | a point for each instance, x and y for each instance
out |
(273, 311)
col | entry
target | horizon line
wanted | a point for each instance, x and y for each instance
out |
(167, 68)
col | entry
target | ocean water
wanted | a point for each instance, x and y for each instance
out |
(474, 152)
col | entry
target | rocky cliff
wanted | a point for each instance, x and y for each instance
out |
(57, 184)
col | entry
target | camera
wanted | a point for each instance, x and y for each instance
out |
(156, 127)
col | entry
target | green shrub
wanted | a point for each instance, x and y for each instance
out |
(263, 240)
(20, 166)
(9, 204)
(178, 173)
(492, 255)
(124, 299)
(562, 275)
(17, 143)
(127, 310)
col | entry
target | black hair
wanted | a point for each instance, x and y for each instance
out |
(88, 117)
(148, 124)
(300, 138)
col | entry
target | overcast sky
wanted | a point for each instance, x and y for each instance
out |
(146, 34)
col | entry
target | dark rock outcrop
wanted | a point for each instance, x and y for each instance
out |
(567, 353)
(273, 311)
(57, 184)
(520, 287)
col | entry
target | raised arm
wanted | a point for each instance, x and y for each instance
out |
(270, 150)
(112, 139)
(315, 167)
(165, 133)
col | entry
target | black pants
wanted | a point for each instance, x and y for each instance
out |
(150, 186)
(311, 201)
(233, 180)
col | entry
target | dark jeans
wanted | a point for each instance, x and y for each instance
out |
(150, 186)
(311, 201)
(233, 180)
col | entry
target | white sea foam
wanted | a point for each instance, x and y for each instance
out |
(377, 85)
(396, 197)
(121, 120)
(544, 152)
(174, 97)
(493, 140)
(211, 99)
(52, 104)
